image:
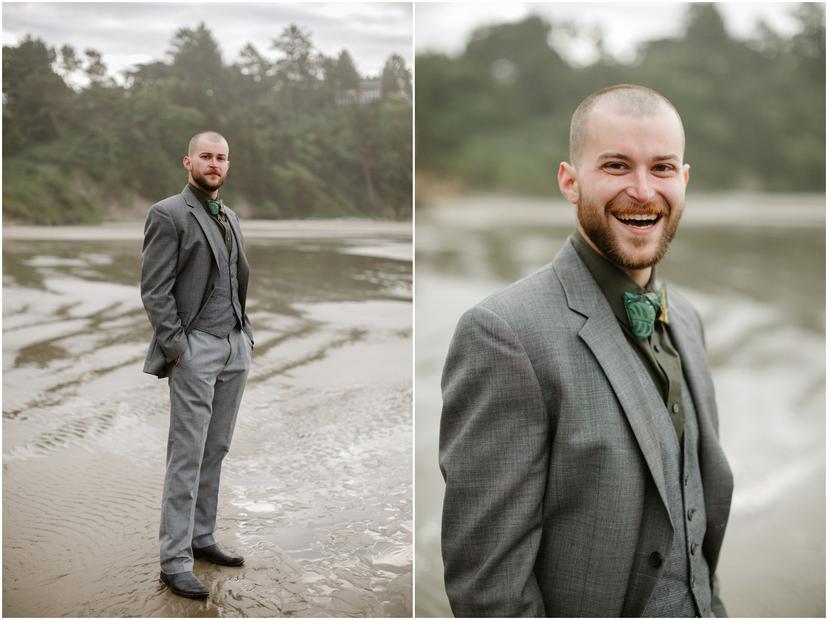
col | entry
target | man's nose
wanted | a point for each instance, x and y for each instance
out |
(640, 188)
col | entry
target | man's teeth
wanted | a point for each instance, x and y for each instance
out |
(638, 218)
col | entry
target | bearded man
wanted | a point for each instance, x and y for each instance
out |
(194, 278)
(579, 433)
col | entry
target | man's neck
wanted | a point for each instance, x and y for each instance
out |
(639, 276)
(212, 195)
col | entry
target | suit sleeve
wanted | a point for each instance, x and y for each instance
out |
(159, 261)
(494, 444)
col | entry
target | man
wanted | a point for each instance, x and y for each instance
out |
(194, 287)
(579, 446)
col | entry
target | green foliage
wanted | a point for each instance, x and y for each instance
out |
(496, 116)
(295, 151)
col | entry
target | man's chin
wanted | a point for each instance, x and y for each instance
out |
(207, 186)
(640, 258)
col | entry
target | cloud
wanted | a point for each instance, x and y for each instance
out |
(130, 33)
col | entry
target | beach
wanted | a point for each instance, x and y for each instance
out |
(316, 491)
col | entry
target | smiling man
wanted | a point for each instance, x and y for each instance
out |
(579, 432)
(194, 278)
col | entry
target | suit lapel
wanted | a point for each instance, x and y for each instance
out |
(234, 226)
(602, 334)
(203, 219)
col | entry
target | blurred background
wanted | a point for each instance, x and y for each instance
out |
(315, 103)
(496, 85)
(99, 103)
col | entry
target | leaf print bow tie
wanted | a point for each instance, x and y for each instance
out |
(215, 206)
(642, 309)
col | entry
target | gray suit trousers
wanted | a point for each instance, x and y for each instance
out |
(205, 392)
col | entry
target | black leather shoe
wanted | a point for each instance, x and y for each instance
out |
(184, 584)
(217, 555)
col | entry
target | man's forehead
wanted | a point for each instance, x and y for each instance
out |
(608, 124)
(205, 145)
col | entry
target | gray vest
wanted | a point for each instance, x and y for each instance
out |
(223, 310)
(683, 588)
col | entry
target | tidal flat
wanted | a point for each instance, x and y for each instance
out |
(317, 488)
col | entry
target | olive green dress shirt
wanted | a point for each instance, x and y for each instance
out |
(220, 219)
(657, 353)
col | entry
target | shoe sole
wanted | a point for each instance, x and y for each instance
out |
(184, 594)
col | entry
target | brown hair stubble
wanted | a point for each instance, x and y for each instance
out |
(630, 99)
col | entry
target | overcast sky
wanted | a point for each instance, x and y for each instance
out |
(445, 27)
(131, 33)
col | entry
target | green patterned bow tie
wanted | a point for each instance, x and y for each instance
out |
(641, 310)
(215, 206)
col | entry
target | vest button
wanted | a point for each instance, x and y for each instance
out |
(675, 407)
(690, 514)
(693, 548)
(655, 559)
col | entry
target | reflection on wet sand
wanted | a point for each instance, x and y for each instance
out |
(316, 491)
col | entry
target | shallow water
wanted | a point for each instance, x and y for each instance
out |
(755, 269)
(316, 491)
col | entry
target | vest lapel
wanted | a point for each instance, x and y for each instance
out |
(604, 337)
(717, 479)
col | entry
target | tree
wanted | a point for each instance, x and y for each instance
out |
(36, 99)
(296, 65)
(396, 78)
(95, 67)
(254, 64)
(346, 75)
(69, 61)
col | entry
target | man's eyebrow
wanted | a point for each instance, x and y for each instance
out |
(628, 158)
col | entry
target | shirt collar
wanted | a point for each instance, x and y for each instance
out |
(610, 278)
(203, 197)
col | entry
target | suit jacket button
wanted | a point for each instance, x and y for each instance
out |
(655, 559)
(693, 548)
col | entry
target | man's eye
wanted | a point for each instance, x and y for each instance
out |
(615, 165)
(663, 168)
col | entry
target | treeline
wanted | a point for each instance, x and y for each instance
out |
(496, 117)
(309, 136)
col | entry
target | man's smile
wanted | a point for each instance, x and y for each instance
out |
(641, 221)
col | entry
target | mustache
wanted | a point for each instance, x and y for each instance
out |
(628, 207)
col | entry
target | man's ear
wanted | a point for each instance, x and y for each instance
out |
(568, 182)
(685, 172)
(186, 162)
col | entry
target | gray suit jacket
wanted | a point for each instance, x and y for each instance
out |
(547, 453)
(179, 264)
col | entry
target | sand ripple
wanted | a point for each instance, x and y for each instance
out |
(316, 491)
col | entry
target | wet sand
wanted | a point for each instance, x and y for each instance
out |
(316, 491)
(755, 269)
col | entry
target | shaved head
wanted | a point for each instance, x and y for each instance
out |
(625, 99)
(210, 136)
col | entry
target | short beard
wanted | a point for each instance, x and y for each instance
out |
(208, 186)
(593, 221)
